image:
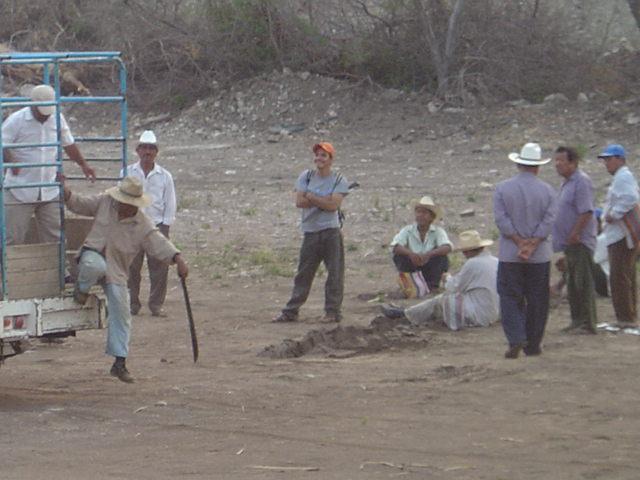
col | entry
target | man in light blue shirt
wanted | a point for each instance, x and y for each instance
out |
(622, 197)
(524, 209)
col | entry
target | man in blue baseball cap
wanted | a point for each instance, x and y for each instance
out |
(622, 197)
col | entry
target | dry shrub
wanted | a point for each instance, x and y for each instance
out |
(179, 50)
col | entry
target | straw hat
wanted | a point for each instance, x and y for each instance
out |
(531, 154)
(131, 192)
(470, 240)
(428, 203)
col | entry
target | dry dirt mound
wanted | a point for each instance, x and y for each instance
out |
(342, 342)
(283, 103)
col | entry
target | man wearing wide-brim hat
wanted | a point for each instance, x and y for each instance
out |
(120, 230)
(423, 246)
(524, 208)
(470, 298)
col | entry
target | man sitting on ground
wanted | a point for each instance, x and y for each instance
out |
(470, 298)
(423, 246)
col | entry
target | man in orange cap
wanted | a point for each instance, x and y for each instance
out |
(319, 194)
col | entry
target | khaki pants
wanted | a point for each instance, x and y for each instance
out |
(622, 278)
(18, 216)
(158, 272)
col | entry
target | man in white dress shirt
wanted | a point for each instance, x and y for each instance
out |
(470, 298)
(158, 183)
(31, 125)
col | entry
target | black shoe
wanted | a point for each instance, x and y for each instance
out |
(135, 309)
(330, 318)
(284, 318)
(119, 370)
(392, 311)
(514, 350)
(532, 351)
(571, 328)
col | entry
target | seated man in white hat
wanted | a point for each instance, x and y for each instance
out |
(422, 245)
(120, 230)
(470, 298)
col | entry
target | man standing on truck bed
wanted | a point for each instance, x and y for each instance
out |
(158, 183)
(36, 125)
(120, 230)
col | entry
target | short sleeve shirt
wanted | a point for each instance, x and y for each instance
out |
(409, 237)
(315, 219)
(575, 199)
(22, 127)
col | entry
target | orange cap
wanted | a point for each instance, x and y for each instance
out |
(326, 146)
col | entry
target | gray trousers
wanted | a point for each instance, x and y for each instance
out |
(158, 272)
(18, 217)
(324, 246)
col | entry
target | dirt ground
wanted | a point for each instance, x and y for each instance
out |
(411, 403)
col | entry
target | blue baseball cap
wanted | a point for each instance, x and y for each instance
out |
(613, 150)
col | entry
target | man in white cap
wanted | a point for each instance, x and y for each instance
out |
(36, 124)
(158, 184)
(470, 298)
(423, 245)
(120, 230)
(524, 208)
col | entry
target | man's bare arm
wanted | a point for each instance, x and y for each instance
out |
(583, 219)
(301, 201)
(330, 203)
(74, 154)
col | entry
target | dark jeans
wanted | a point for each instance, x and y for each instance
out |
(323, 246)
(524, 302)
(431, 271)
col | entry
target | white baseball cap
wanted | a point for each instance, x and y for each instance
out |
(44, 93)
(148, 138)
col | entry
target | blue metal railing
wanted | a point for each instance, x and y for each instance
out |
(48, 59)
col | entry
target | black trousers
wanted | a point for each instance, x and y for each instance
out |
(431, 271)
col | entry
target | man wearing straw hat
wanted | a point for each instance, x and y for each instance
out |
(36, 124)
(120, 230)
(470, 298)
(423, 245)
(524, 208)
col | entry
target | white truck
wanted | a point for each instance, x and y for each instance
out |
(35, 304)
(36, 291)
